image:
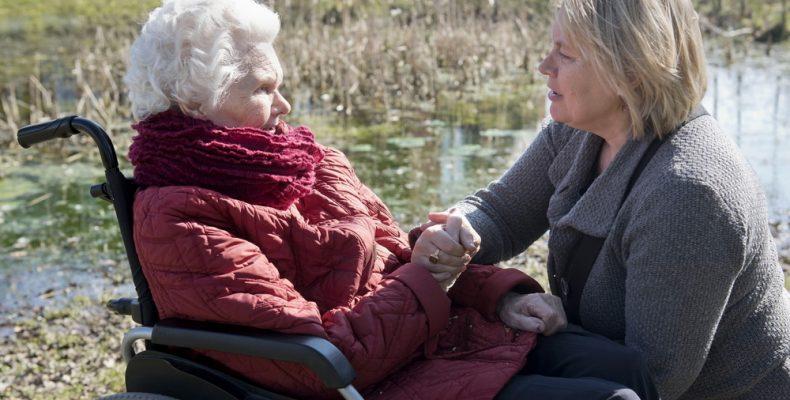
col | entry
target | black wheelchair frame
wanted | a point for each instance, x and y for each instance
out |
(157, 371)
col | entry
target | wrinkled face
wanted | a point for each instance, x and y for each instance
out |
(255, 99)
(578, 98)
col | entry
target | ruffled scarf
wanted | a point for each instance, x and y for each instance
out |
(269, 168)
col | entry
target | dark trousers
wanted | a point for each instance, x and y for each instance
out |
(576, 364)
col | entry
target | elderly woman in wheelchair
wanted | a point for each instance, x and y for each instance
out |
(242, 219)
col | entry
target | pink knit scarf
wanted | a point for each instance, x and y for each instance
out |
(270, 168)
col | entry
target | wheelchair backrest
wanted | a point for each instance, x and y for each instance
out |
(122, 191)
(119, 189)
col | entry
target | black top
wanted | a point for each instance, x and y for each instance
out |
(586, 250)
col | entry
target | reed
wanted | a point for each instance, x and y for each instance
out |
(359, 60)
(356, 62)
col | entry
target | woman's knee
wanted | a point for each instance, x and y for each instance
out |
(623, 394)
(633, 359)
(556, 388)
(629, 368)
(624, 362)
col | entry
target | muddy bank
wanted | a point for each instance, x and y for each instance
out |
(56, 338)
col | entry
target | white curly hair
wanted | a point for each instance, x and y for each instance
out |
(190, 51)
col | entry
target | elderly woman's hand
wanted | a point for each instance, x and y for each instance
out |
(534, 312)
(440, 250)
(467, 236)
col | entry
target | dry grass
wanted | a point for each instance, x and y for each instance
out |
(358, 59)
(355, 62)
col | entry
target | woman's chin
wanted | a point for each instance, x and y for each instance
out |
(557, 115)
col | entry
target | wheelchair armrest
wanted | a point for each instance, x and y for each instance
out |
(317, 354)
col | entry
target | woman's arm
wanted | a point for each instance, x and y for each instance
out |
(510, 213)
(683, 251)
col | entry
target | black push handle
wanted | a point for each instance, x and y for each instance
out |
(59, 128)
(65, 127)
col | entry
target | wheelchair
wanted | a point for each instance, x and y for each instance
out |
(157, 372)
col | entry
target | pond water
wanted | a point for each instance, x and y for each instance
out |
(751, 100)
(49, 224)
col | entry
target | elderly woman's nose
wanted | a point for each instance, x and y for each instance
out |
(282, 105)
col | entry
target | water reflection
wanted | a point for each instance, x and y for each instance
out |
(750, 100)
(446, 164)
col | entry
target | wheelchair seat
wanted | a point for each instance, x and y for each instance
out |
(163, 373)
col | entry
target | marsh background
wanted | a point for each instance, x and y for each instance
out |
(430, 99)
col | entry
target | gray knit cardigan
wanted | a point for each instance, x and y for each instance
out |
(688, 273)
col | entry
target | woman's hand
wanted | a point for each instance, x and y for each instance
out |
(440, 254)
(467, 236)
(534, 312)
(440, 250)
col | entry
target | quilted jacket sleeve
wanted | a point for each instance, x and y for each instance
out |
(199, 270)
(481, 286)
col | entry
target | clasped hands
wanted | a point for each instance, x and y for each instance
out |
(447, 245)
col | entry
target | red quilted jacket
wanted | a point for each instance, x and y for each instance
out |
(333, 265)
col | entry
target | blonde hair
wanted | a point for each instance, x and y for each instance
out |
(191, 51)
(649, 51)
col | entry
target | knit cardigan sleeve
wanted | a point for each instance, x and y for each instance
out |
(510, 213)
(682, 252)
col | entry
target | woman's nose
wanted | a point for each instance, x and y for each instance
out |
(545, 67)
(282, 105)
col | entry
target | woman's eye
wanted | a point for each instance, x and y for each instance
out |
(565, 57)
(265, 89)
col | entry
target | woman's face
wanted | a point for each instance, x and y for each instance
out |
(578, 98)
(255, 99)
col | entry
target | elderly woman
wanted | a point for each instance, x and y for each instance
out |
(659, 236)
(245, 220)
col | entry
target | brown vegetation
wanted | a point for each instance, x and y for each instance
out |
(352, 59)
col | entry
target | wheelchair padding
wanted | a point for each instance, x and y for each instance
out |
(171, 375)
(318, 354)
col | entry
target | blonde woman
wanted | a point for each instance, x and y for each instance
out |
(659, 236)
